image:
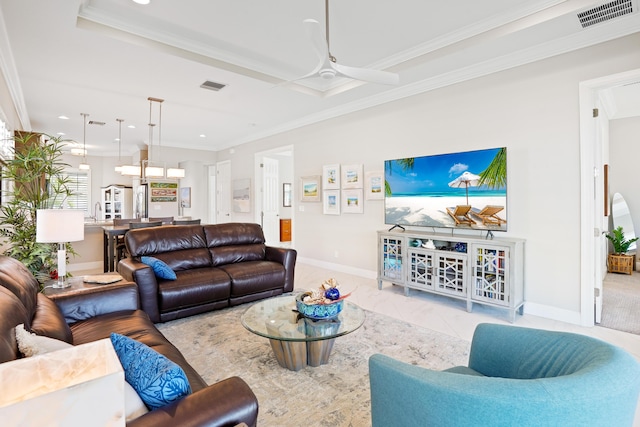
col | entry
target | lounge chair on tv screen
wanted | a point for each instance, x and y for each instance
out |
(460, 214)
(489, 215)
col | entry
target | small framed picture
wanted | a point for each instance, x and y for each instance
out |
(331, 202)
(352, 201)
(352, 176)
(374, 185)
(331, 177)
(310, 188)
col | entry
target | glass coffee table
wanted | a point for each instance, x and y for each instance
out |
(298, 341)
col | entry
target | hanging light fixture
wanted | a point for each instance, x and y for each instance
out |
(118, 168)
(151, 171)
(84, 165)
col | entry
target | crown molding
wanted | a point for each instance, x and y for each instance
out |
(9, 71)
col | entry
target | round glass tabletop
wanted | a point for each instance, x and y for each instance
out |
(277, 319)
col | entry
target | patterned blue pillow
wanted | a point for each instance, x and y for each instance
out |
(160, 268)
(157, 380)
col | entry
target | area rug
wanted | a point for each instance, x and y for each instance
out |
(621, 303)
(335, 394)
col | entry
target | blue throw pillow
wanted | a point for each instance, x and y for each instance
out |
(160, 268)
(157, 380)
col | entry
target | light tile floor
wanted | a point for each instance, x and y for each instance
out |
(443, 314)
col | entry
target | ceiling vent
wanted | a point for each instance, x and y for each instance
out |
(213, 85)
(605, 12)
(94, 122)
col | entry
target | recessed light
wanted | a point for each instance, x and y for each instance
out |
(203, 135)
(63, 117)
(142, 1)
(131, 127)
(117, 139)
(61, 133)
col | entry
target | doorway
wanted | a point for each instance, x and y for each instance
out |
(273, 169)
(594, 154)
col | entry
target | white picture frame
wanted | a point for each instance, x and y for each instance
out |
(352, 201)
(310, 188)
(331, 202)
(374, 185)
(331, 177)
(352, 176)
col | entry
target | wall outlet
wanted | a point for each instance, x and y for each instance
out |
(335, 254)
(301, 208)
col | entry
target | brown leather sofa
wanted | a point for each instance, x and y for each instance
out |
(217, 266)
(90, 316)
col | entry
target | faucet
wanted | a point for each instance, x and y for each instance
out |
(96, 208)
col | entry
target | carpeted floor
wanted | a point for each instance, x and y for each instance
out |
(621, 302)
(335, 394)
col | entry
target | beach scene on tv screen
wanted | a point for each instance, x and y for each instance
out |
(458, 190)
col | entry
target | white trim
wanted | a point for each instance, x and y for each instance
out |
(588, 93)
(360, 272)
(10, 72)
(554, 313)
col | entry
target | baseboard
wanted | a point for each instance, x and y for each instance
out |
(553, 313)
(360, 272)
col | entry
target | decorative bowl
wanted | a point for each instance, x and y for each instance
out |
(318, 311)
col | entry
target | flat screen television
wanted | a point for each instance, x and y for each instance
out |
(466, 190)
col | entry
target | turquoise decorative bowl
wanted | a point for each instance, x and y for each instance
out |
(318, 311)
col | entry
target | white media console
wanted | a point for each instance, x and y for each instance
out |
(476, 270)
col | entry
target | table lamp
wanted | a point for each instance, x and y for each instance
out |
(60, 226)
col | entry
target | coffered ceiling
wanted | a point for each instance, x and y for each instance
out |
(106, 57)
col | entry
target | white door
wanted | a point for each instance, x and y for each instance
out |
(223, 191)
(270, 201)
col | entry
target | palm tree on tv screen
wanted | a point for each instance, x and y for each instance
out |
(405, 165)
(495, 175)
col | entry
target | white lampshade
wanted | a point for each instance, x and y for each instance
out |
(154, 172)
(130, 170)
(175, 173)
(59, 225)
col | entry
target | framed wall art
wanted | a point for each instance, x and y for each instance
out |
(374, 185)
(352, 176)
(331, 202)
(286, 195)
(331, 177)
(185, 197)
(242, 195)
(163, 192)
(310, 188)
(352, 201)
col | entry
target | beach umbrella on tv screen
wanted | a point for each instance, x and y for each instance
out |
(466, 180)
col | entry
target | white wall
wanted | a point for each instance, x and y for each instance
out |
(624, 157)
(532, 110)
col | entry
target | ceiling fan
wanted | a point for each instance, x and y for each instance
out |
(328, 67)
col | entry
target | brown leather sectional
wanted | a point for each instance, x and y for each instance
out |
(90, 316)
(217, 266)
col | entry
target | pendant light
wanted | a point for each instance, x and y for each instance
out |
(151, 171)
(84, 165)
(118, 168)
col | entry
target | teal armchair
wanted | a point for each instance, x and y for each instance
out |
(516, 377)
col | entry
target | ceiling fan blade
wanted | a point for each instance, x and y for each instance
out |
(314, 33)
(367, 75)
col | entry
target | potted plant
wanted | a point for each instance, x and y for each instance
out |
(33, 179)
(619, 261)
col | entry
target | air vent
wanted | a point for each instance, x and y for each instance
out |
(94, 122)
(212, 85)
(605, 12)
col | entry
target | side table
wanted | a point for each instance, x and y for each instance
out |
(78, 285)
